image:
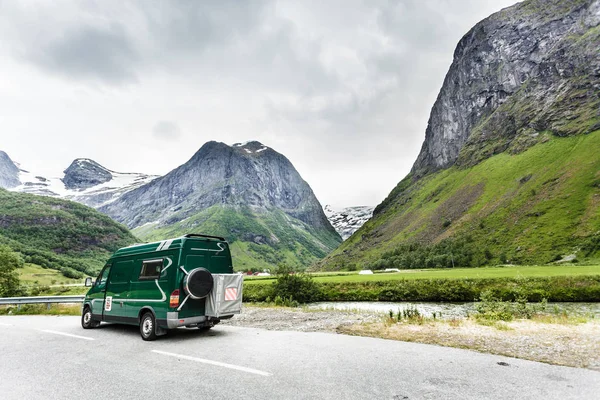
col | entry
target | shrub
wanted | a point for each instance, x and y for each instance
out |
(289, 302)
(71, 273)
(298, 287)
(492, 308)
(488, 254)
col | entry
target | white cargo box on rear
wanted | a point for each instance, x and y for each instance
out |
(226, 296)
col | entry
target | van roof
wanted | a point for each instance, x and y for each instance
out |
(168, 244)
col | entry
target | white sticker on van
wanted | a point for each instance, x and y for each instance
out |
(108, 303)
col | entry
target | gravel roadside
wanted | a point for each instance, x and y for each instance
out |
(575, 345)
(299, 319)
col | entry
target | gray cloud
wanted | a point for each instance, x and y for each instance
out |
(193, 26)
(342, 87)
(166, 130)
(85, 52)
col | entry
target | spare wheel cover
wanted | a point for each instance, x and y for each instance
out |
(198, 283)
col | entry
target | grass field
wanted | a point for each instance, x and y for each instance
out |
(456, 273)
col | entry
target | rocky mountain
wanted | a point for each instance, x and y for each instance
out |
(90, 183)
(84, 181)
(59, 234)
(347, 220)
(9, 172)
(247, 192)
(530, 68)
(509, 169)
(84, 173)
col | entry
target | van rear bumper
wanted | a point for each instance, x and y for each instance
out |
(173, 320)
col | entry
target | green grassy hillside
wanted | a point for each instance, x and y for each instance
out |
(258, 239)
(59, 234)
(535, 207)
(32, 274)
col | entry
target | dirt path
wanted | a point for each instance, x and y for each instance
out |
(575, 345)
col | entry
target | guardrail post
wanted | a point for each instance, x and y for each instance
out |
(48, 306)
(18, 307)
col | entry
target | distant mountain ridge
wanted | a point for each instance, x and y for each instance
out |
(248, 174)
(247, 192)
(84, 181)
(349, 219)
(84, 173)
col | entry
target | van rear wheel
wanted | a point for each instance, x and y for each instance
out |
(148, 327)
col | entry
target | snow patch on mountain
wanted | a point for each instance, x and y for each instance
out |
(251, 147)
(348, 220)
(112, 185)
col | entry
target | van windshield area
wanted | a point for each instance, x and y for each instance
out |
(102, 278)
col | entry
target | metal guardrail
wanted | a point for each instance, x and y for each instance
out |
(41, 300)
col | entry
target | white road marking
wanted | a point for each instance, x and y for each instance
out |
(216, 363)
(67, 334)
(2, 324)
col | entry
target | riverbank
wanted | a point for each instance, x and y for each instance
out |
(568, 341)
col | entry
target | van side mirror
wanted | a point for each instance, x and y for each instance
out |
(89, 281)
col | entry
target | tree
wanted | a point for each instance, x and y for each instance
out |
(9, 279)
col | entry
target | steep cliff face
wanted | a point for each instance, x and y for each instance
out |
(9, 172)
(529, 68)
(247, 192)
(509, 169)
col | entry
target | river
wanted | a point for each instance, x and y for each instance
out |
(448, 310)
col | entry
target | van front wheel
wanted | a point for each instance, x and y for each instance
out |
(148, 327)
(86, 319)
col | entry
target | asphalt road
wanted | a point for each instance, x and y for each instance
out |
(39, 360)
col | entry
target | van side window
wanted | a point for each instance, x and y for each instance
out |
(151, 269)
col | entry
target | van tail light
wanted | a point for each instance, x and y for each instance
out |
(174, 299)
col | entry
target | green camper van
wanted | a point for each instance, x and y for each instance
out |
(186, 281)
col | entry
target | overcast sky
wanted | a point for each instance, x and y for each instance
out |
(342, 88)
